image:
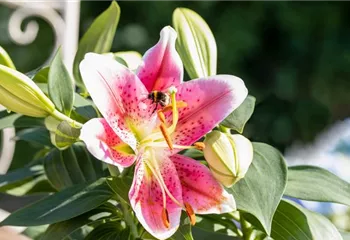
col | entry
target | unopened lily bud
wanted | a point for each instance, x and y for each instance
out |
(5, 59)
(229, 156)
(20, 94)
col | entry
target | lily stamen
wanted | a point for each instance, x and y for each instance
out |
(179, 104)
(165, 218)
(166, 135)
(190, 213)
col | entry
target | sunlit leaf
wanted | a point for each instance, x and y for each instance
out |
(61, 206)
(72, 166)
(317, 184)
(98, 38)
(292, 221)
(60, 85)
(239, 117)
(63, 229)
(261, 190)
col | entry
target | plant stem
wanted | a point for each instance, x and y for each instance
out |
(128, 217)
(245, 227)
(60, 116)
(235, 216)
(114, 171)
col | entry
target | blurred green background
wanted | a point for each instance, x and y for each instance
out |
(293, 56)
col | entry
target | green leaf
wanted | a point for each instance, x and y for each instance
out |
(60, 85)
(239, 117)
(61, 230)
(36, 135)
(120, 186)
(87, 112)
(61, 206)
(130, 59)
(217, 224)
(183, 232)
(291, 221)
(36, 232)
(72, 166)
(42, 75)
(17, 120)
(195, 43)
(81, 101)
(5, 59)
(18, 176)
(98, 38)
(199, 233)
(194, 153)
(28, 187)
(329, 188)
(109, 230)
(345, 235)
(260, 191)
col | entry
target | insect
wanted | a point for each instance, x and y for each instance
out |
(160, 98)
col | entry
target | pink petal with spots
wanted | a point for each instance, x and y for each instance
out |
(162, 66)
(146, 198)
(119, 95)
(101, 141)
(209, 101)
(200, 189)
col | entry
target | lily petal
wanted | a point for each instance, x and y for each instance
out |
(118, 94)
(200, 189)
(162, 66)
(102, 142)
(209, 101)
(147, 200)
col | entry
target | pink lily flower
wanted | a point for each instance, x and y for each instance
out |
(165, 183)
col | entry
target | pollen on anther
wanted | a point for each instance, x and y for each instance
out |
(165, 218)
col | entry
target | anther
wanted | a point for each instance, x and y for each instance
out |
(199, 145)
(190, 213)
(179, 104)
(166, 135)
(165, 218)
(161, 116)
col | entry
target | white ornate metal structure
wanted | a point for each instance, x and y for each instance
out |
(63, 17)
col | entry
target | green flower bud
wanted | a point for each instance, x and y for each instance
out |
(20, 94)
(5, 59)
(229, 156)
(62, 133)
(195, 43)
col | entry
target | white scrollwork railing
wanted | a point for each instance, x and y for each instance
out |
(66, 30)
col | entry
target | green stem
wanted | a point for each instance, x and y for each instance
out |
(235, 216)
(60, 116)
(113, 170)
(245, 227)
(128, 217)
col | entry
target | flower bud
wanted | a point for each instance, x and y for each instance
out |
(62, 133)
(20, 94)
(5, 59)
(229, 156)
